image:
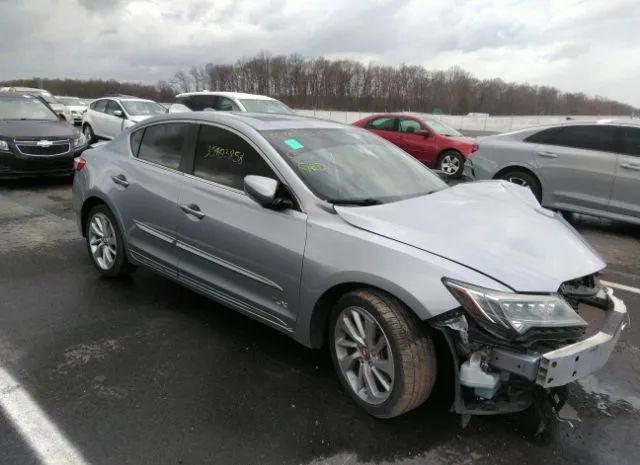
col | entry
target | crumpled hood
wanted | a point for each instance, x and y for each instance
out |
(494, 227)
(15, 129)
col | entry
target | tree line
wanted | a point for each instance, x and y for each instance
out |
(95, 88)
(350, 85)
(345, 84)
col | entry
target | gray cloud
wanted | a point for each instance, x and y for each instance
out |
(552, 43)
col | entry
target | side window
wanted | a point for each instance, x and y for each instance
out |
(100, 105)
(226, 158)
(226, 104)
(410, 126)
(135, 139)
(548, 136)
(383, 124)
(631, 141)
(112, 106)
(163, 144)
(589, 137)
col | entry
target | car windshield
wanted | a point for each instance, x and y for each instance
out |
(442, 128)
(25, 108)
(265, 106)
(351, 166)
(72, 101)
(142, 107)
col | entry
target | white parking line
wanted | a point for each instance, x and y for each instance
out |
(622, 287)
(37, 430)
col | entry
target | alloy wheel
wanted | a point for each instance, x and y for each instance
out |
(364, 355)
(102, 241)
(519, 181)
(450, 164)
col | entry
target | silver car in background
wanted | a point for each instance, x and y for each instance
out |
(334, 236)
(591, 168)
(76, 107)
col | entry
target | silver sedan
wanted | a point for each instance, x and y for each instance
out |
(334, 236)
(591, 168)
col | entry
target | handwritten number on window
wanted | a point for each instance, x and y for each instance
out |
(221, 153)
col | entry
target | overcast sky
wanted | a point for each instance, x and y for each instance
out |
(591, 46)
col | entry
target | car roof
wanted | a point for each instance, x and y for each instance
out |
(125, 99)
(25, 89)
(257, 121)
(16, 95)
(237, 95)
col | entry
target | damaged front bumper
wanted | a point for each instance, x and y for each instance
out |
(493, 379)
(569, 363)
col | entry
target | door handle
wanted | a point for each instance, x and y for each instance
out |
(630, 166)
(193, 209)
(120, 179)
(544, 153)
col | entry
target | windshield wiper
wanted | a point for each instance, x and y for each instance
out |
(361, 202)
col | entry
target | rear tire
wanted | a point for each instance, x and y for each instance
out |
(525, 179)
(451, 163)
(389, 364)
(105, 243)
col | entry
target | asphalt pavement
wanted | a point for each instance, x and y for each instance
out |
(142, 371)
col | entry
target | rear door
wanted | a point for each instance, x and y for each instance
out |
(577, 164)
(423, 148)
(230, 247)
(625, 198)
(146, 191)
(385, 126)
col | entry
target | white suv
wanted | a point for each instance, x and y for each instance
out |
(228, 101)
(107, 117)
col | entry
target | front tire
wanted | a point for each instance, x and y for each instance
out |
(381, 352)
(88, 134)
(105, 243)
(525, 179)
(451, 163)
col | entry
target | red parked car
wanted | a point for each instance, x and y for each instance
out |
(433, 143)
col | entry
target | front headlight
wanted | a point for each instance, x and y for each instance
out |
(79, 141)
(519, 312)
(4, 147)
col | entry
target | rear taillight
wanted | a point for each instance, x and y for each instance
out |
(474, 148)
(79, 163)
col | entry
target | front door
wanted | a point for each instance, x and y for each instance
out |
(625, 197)
(422, 148)
(146, 188)
(238, 252)
(112, 123)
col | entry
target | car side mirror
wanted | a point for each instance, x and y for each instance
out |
(261, 189)
(423, 133)
(118, 113)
